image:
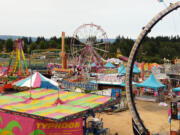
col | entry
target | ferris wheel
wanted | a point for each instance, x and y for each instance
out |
(89, 44)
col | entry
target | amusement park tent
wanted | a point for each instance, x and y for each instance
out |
(136, 70)
(123, 84)
(94, 65)
(177, 91)
(120, 69)
(109, 65)
(151, 82)
(37, 80)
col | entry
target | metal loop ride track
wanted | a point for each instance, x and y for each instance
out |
(135, 115)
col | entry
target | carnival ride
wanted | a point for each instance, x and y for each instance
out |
(138, 125)
(121, 57)
(89, 44)
(42, 57)
(17, 67)
(63, 54)
(4, 58)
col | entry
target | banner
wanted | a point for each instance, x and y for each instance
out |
(111, 78)
(19, 125)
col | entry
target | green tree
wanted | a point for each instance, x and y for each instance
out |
(1, 46)
(43, 45)
(29, 40)
(52, 44)
(9, 45)
(25, 39)
(32, 47)
(25, 48)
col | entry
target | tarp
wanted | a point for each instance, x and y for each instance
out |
(109, 65)
(37, 80)
(136, 70)
(151, 82)
(176, 89)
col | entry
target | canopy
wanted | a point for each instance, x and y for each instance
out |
(109, 65)
(136, 70)
(37, 80)
(151, 82)
(176, 89)
(123, 84)
(93, 65)
(120, 69)
(44, 107)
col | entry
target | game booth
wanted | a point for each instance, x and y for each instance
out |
(151, 89)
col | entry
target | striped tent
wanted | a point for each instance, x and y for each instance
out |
(37, 80)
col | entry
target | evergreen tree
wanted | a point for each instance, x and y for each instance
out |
(9, 45)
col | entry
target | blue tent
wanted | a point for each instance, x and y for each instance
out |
(120, 69)
(109, 65)
(93, 65)
(37, 80)
(123, 84)
(176, 89)
(136, 70)
(48, 85)
(151, 82)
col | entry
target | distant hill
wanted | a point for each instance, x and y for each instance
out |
(14, 37)
(5, 37)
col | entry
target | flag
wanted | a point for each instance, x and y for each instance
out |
(169, 113)
(160, 0)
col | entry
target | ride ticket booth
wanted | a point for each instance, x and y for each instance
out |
(175, 115)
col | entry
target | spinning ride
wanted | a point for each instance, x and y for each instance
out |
(138, 126)
(89, 45)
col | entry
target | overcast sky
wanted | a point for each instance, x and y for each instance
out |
(50, 17)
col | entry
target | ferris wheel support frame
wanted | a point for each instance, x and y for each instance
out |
(130, 99)
(88, 48)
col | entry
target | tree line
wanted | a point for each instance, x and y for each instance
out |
(152, 49)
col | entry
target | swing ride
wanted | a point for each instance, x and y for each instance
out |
(17, 67)
(138, 125)
(89, 44)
